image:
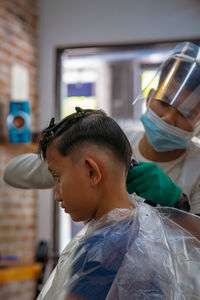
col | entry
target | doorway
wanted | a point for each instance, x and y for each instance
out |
(108, 78)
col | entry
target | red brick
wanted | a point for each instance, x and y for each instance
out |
(18, 34)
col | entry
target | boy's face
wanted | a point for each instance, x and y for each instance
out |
(72, 185)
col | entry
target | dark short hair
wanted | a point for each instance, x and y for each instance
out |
(86, 125)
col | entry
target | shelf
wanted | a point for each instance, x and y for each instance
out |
(18, 148)
(14, 273)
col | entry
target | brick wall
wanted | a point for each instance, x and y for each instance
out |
(18, 290)
(18, 36)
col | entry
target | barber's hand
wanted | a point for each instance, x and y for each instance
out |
(149, 181)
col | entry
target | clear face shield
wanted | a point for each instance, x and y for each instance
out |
(177, 83)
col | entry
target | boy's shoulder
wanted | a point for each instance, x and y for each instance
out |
(109, 237)
(99, 257)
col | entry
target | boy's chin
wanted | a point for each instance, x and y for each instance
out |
(78, 218)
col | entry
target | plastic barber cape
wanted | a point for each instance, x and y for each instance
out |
(139, 253)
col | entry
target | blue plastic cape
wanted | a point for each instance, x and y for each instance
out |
(140, 253)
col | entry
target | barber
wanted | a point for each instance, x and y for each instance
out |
(171, 121)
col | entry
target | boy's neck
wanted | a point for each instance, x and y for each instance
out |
(150, 153)
(115, 198)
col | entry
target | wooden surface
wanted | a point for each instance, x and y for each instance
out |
(18, 148)
(14, 273)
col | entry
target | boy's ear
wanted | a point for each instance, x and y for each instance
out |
(150, 95)
(93, 171)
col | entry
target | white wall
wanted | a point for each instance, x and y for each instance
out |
(69, 22)
(76, 22)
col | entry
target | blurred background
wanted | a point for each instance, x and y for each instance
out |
(55, 55)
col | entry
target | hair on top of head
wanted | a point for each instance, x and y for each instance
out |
(86, 126)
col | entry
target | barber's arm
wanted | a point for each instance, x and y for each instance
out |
(28, 171)
(149, 181)
(195, 197)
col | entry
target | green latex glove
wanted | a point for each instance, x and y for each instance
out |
(149, 181)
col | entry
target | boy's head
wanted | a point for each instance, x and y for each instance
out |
(89, 155)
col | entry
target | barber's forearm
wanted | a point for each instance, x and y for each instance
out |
(28, 171)
(195, 200)
(183, 203)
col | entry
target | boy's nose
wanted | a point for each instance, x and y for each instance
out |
(171, 116)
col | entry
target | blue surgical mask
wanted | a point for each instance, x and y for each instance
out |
(163, 136)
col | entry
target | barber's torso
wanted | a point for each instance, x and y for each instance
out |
(183, 171)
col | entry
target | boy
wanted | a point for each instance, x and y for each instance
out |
(119, 254)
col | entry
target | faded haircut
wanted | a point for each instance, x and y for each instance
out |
(86, 126)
